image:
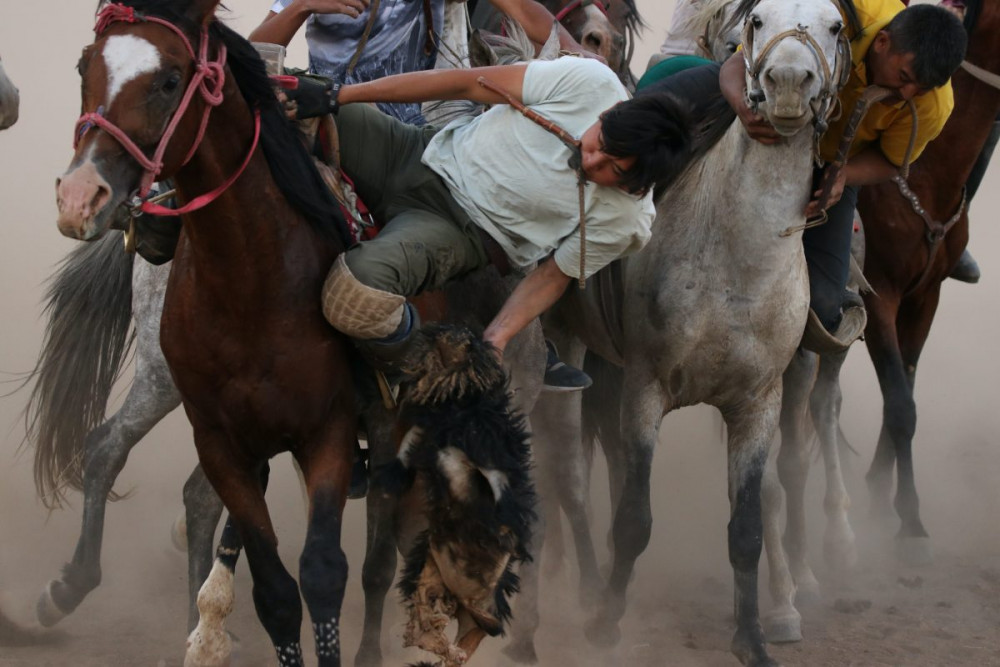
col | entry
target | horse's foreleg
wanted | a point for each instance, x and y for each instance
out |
(898, 408)
(914, 322)
(323, 565)
(202, 510)
(793, 467)
(106, 449)
(526, 617)
(782, 623)
(642, 404)
(750, 434)
(839, 546)
(208, 644)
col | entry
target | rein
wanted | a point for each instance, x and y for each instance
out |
(576, 161)
(208, 80)
(580, 4)
(935, 230)
(987, 77)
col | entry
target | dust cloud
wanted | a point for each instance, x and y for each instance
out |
(680, 604)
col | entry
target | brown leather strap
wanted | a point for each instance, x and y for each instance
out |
(494, 252)
(430, 43)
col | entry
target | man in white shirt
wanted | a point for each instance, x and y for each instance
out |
(498, 178)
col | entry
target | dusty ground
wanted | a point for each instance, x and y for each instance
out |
(944, 614)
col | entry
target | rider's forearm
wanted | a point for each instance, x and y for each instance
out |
(537, 22)
(533, 296)
(280, 28)
(869, 167)
(441, 84)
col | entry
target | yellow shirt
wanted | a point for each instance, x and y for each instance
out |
(887, 124)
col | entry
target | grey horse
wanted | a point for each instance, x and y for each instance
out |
(9, 100)
(714, 307)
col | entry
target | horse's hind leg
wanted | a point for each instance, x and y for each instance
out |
(839, 547)
(750, 434)
(151, 397)
(379, 567)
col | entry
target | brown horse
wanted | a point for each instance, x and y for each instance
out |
(910, 249)
(605, 27)
(259, 369)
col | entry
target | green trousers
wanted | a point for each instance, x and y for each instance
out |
(428, 238)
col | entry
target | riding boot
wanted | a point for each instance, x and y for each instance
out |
(967, 269)
(387, 354)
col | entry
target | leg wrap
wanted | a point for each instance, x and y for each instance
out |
(356, 309)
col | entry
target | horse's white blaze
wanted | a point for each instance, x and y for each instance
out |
(128, 57)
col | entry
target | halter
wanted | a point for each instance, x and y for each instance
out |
(208, 80)
(833, 78)
(580, 4)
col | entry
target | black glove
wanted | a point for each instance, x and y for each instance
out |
(314, 96)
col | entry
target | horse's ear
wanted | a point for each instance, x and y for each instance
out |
(203, 11)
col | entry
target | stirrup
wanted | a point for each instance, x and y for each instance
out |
(851, 328)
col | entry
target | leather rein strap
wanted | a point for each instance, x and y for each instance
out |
(576, 161)
(208, 80)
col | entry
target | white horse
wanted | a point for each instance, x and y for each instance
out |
(9, 100)
(714, 307)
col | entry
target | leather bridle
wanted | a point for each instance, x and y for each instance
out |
(208, 81)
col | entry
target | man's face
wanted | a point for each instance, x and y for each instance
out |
(891, 69)
(599, 167)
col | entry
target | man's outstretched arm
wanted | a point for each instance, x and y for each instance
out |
(539, 290)
(440, 84)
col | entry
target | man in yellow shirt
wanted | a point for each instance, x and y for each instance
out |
(911, 50)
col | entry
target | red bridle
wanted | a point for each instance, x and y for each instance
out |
(209, 79)
(579, 4)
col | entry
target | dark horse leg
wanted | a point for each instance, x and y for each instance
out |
(326, 467)
(106, 449)
(895, 337)
(642, 402)
(379, 568)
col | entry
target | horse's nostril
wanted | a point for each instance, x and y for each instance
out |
(593, 39)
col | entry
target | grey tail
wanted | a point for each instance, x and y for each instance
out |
(86, 344)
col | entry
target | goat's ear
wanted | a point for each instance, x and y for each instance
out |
(203, 11)
(498, 482)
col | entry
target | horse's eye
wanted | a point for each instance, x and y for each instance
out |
(836, 28)
(756, 22)
(171, 83)
(732, 46)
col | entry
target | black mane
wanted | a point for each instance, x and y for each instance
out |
(291, 165)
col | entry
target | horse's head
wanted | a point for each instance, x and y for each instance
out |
(797, 56)
(718, 32)
(148, 80)
(604, 27)
(9, 101)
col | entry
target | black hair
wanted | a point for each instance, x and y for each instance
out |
(936, 38)
(669, 124)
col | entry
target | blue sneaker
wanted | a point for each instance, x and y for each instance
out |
(562, 378)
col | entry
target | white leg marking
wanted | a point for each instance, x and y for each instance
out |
(209, 644)
(127, 57)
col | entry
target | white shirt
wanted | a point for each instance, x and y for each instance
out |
(513, 178)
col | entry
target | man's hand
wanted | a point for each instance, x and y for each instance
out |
(836, 192)
(733, 86)
(352, 8)
(594, 56)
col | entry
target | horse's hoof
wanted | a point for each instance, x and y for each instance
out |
(783, 627)
(368, 658)
(914, 551)
(603, 633)
(179, 534)
(522, 653)
(47, 611)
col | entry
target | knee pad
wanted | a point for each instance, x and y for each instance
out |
(357, 310)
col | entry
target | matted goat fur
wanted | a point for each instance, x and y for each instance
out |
(471, 449)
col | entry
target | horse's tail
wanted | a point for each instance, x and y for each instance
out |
(87, 342)
(601, 403)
